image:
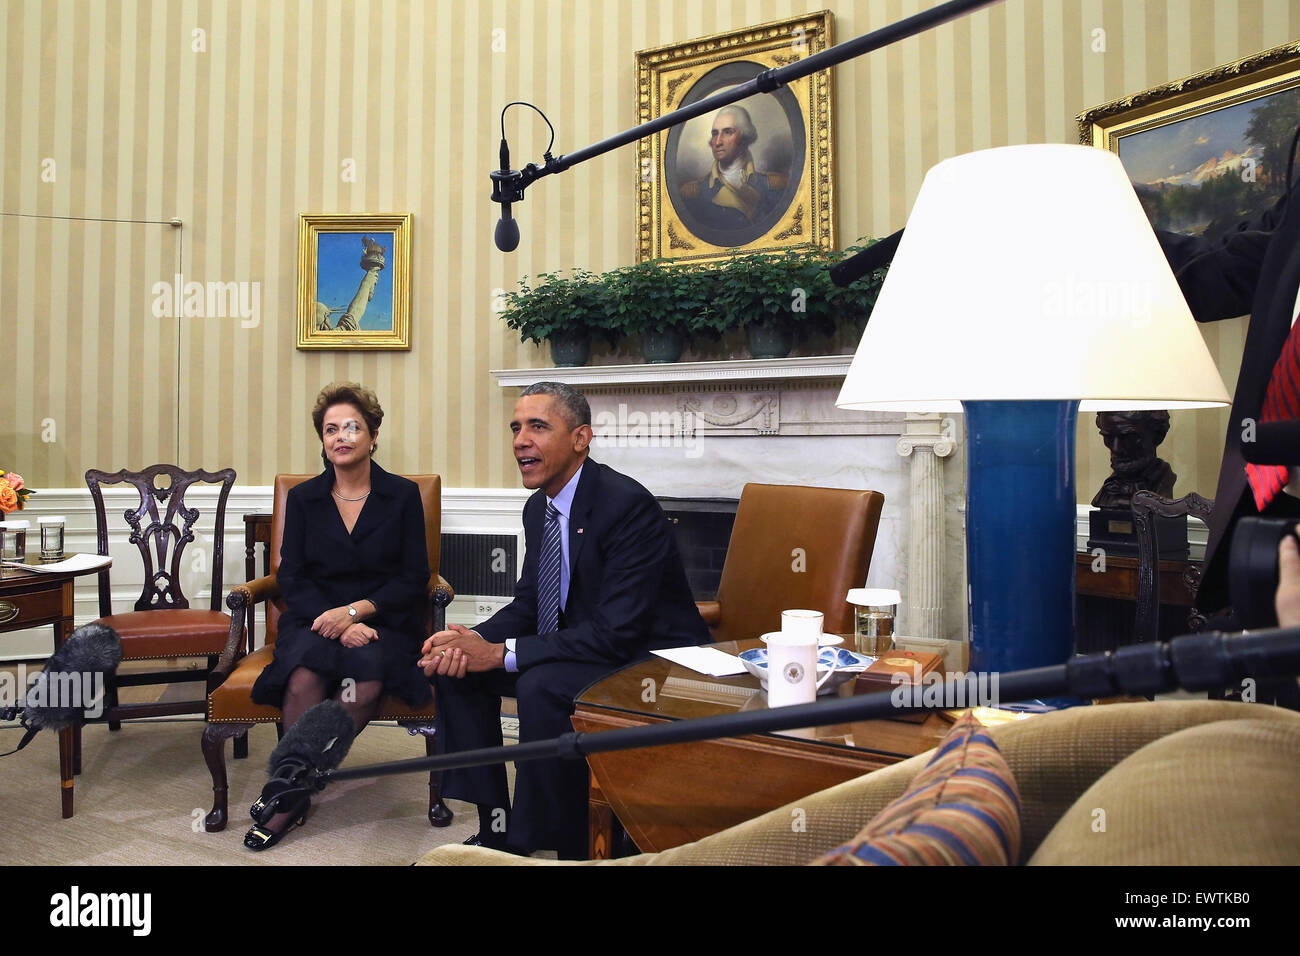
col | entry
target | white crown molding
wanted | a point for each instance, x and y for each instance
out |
(682, 373)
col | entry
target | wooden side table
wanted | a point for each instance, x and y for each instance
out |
(667, 796)
(32, 599)
(257, 528)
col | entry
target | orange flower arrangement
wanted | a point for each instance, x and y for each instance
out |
(13, 492)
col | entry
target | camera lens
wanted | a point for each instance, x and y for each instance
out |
(1253, 570)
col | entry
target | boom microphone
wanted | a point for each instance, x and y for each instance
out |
(506, 235)
(318, 742)
(508, 184)
(1193, 662)
(875, 256)
(767, 81)
(71, 683)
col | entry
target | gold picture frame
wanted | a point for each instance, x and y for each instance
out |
(685, 210)
(354, 281)
(1231, 125)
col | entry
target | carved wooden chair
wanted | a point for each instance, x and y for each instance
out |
(231, 710)
(1146, 505)
(162, 624)
(793, 547)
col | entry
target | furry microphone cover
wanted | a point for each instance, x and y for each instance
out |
(90, 652)
(321, 739)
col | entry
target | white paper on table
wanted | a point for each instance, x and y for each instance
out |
(705, 660)
(74, 563)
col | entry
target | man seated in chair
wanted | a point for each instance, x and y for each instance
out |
(602, 585)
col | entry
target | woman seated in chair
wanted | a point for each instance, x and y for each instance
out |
(354, 575)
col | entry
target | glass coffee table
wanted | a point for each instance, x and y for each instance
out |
(667, 796)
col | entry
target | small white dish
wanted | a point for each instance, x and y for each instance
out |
(826, 640)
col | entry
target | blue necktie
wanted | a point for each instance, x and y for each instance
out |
(548, 574)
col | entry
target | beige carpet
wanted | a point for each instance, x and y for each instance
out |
(144, 790)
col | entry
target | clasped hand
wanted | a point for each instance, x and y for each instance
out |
(458, 651)
(336, 623)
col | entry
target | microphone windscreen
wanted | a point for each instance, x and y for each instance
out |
(90, 649)
(507, 235)
(68, 686)
(55, 699)
(319, 739)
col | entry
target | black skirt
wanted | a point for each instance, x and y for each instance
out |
(391, 659)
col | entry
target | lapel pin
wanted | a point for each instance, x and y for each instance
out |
(579, 531)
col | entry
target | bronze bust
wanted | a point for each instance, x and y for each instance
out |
(1132, 438)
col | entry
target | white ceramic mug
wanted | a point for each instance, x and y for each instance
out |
(802, 622)
(792, 669)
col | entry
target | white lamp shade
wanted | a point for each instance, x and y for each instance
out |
(1030, 272)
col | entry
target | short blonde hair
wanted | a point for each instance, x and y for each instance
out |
(347, 393)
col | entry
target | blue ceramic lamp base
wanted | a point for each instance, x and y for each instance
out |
(1020, 531)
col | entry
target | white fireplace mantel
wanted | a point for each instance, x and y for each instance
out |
(683, 373)
(704, 429)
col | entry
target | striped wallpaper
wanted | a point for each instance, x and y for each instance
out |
(117, 116)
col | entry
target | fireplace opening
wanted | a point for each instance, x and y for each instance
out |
(702, 527)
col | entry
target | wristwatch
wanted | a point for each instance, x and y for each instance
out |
(352, 612)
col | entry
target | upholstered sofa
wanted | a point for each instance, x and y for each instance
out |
(1171, 782)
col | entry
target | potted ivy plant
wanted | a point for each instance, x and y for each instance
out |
(852, 304)
(773, 296)
(563, 310)
(666, 305)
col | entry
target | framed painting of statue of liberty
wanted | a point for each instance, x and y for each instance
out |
(354, 281)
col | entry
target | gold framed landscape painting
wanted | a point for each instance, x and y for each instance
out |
(354, 281)
(1207, 151)
(753, 176)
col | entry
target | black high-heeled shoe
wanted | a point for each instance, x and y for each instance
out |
(260, 838)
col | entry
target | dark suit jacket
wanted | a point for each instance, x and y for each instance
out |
(1255, 269)
(384, 558)
(628, 592)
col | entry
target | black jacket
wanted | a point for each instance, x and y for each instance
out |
(628, 592)
(384, 559)
(1255, 269)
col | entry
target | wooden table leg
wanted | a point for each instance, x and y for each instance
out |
(69, 737)
(600, 823)
(67, 745)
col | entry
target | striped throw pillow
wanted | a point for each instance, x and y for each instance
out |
(962, 809)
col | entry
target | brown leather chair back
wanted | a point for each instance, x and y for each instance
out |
(430, 497)
(795, 547)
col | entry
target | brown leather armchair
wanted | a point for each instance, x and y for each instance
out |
(231, 710)
(793, 547)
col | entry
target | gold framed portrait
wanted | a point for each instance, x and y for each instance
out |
(749, 177)
(354, 281)
(1206, 151)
